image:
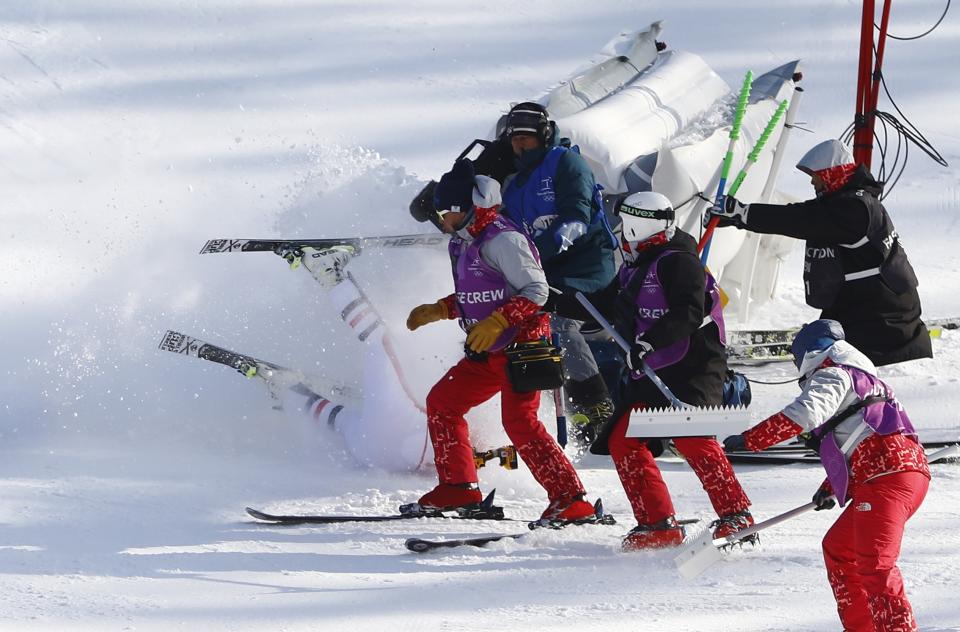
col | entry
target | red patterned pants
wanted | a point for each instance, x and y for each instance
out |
(861, 549)
(471, 383)
(646, 489)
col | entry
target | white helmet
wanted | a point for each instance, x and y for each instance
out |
(829, 153)
(645, 214)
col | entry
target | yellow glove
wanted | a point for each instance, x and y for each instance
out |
(485, 333)
(426, 314)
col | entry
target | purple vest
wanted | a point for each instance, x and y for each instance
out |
(651, 304)
(883, 418)
(480, 289)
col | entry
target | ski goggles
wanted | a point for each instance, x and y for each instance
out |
(441, 212)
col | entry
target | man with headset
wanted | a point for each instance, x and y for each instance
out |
(553, 195)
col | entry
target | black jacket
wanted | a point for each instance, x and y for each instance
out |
(880, 313)
(698, 377)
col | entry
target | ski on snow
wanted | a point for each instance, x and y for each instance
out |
(419, 545)
(429, 240)
(484, 511)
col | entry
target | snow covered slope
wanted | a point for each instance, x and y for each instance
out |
(132, 132)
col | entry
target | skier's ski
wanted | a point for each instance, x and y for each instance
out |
(429, 240)
(754, 346)
(419, 545)
(484, 511)
(276, 376)
(758, 353)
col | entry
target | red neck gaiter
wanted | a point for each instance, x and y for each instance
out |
(835, 177)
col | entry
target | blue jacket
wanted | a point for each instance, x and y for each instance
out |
(553, 186)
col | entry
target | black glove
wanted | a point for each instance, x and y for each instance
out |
(824, 498)
(730, 212)
(551, 304)
(638, 350)
(735, 443)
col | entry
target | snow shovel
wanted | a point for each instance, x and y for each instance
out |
(700, 554)
(682, 420)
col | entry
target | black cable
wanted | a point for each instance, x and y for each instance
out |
(925, 33)
(892, 167)
(753, 381)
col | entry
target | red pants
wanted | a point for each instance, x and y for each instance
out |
(861, 549)
(471, 383)
(644, 485)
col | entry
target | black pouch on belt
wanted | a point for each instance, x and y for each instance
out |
(534, 366)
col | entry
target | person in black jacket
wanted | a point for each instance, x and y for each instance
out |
(669, 307)
(553, 195)
(855, 268)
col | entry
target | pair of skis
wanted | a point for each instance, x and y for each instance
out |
(485, 511)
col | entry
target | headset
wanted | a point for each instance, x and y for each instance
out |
(530, 118)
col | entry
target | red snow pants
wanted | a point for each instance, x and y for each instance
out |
(646, 489)
(861, 549)
(471, 383)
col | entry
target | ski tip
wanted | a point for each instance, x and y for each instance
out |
(256, 513)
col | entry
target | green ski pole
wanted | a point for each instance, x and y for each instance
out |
(704, 245)
(758, 147)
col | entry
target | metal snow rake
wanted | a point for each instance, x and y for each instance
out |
(700, 554)
(681, 420)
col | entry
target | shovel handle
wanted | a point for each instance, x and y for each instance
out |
(769, 522)
(607, 327)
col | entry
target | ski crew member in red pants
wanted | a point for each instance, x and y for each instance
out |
(665, 303)
(873, 459)
(500, 288)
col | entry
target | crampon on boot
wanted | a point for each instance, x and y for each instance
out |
(587, 420)
(732, 523)
(590, 405)
(566, 510)
(659, 535)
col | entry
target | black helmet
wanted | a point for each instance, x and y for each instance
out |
(529, 118)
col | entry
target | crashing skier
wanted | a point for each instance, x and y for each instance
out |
(669, 307)
(385, 428)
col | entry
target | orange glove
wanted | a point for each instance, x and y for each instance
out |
(485, 333)
(426, 314)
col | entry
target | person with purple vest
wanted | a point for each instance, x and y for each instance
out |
(873, 460)
(664, 301)
(500, 288)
